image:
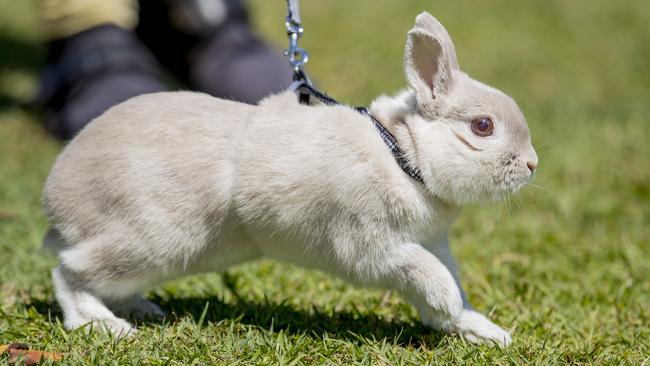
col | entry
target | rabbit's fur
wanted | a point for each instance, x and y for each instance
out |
(169, 184)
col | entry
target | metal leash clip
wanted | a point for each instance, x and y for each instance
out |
(298, 57)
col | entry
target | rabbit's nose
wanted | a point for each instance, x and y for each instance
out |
(531, 159)
(531, 166)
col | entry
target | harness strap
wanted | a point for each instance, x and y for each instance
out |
(391, 142)
(302, 85)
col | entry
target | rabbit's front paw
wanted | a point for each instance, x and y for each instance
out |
(476, 328)
(118, 327)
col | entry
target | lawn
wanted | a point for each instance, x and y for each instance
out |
(564, 265)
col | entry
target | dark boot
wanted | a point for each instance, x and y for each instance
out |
(90, 72)
(235, 64)
(213, 49)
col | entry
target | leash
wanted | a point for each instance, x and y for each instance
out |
(303, 86)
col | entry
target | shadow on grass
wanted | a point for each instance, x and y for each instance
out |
(342, 325)
(349, 326)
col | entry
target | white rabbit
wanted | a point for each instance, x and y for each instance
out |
(170, 184)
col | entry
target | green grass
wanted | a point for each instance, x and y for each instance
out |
(564, 265)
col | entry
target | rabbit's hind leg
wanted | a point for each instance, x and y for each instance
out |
(81, 307)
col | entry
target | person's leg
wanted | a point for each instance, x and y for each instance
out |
(94, 61)
(209, 45)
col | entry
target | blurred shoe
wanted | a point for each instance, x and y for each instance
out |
(209, 45)
(234, 63)
(91, 71)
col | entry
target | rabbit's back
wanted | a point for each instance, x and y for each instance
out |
(148, 175)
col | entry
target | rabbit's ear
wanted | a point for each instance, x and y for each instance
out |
(429, 58)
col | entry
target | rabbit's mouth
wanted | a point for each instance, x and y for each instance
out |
(491, 183)
(505, 177)
(502, 184)
(511, 179)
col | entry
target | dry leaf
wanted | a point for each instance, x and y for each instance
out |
(19, 351)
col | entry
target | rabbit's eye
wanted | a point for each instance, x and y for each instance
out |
(482, 126)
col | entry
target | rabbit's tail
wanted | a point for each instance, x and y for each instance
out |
(52, 241)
